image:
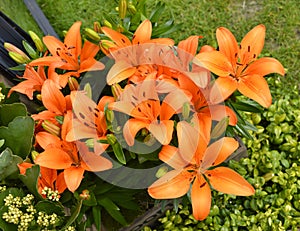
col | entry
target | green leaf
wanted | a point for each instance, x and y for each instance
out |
(74, 215)
(118, 151)
(8, 163)
(29, 49)
(97, 217)
(18, 135)
(157, 12)
(10, 111)
(30, 179)
(50, 207)
(20, 67)
(113, 210)
(248, 105)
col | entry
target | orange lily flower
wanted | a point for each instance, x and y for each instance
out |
(128, 54)
(89, 118)
(66, 55)
(238, 67)
(54, 101)
(48, 178)
(73, 158)
(142, 102)
(206, 110)
(192, 165)
(33, 81)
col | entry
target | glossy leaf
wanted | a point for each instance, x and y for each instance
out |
(113, 210)
(50, 207)
(10, 111)
(8, 163)
(18, 135)
(96, 210)
(30, 180)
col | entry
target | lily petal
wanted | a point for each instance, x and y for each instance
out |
(142, 33)
(73, 39)
(131, 128)
(44, 139)
(256, 87)
(54, 158)
(173, 184)
(119, 71)
(162, 131)
(73, 177)
(170, 155)
(120, 39)
(227, 44)
(222, 88)
(265, 66)
(52, 98)
(218, 151)
(201, 198)
(228, 181)
(61, 183)
(252, 44)
(215, 61)
(218, 112)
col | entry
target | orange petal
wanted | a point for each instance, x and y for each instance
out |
(170, 155)
(90, 64)
(73, 39)
(92, 161)
(188, 140)
(218, 112)
(73, 177)
(173, 103)
(44, 139)
(120, 39)
(47, 61)
(265, 66)
(119, 71)
(256, 87)
(201, 198)
(199, 77)
(48, 175)
(189, 45)
(227, 44)
(173, 184)
(218, 151)
(121, 106)
(131, 127)
(252, 44)
(54, 158)
(52, 44)
(23, 167)
(204, 124)
(61, 183)
(165, 41)
(162, 131)
(142, 33)
(228, 181)
(215, 61)
(222, 88)
(52, 98)
(89, 50)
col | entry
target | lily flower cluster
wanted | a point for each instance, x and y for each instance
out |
(159, 92)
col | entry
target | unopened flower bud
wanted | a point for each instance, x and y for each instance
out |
(34, 154)
(186, 110)
(107, 23)
(73, 84)
(161, 171)
(19, 58)
(92, 34)
(88, 90)
(149, 140)
(131, 8)
(220, 128)
(90, 143)
(97, 27)
(51, 128)
(116, 90)
(39, 97)
(37, 41)
(122, 8)
(110, 116)
(85, 195)
(111, 139)
(106, 45)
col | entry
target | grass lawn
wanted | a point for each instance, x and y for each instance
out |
(201, 17)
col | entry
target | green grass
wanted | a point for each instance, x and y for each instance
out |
(201, 17)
